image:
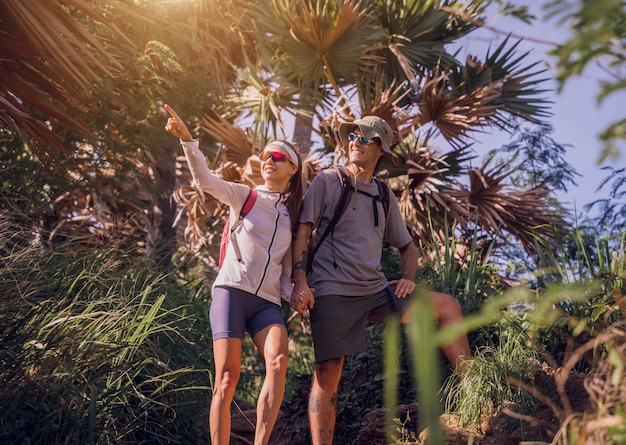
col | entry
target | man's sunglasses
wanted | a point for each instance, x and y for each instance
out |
(275, 155)
(362, 139)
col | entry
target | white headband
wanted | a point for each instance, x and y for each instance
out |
(288, 149)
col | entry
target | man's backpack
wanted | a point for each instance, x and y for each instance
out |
(228, 230)
(342, 204)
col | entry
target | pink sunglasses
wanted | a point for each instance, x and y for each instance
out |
(275, 155)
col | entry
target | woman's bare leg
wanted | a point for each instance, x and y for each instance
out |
(227, 356)
(272, 343)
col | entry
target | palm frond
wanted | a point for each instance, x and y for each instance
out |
(317, 43)
(455, 114)
(416, 33)
(223, 28)
(520, 94)
(236, 146)
(425, 199)
(470, 76)
(263, 101)
(525, 214)
(34, 32)
(199, 210)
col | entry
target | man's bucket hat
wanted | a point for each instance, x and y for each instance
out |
(371, 127)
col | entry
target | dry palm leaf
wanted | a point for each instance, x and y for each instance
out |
(426, 198)
(456, 115)
(199, 209)
(34, 32)
(237, 148)
(523, 214)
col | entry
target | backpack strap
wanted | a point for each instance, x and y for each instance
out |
(230, 229)
(383, 197)
(247, 206)
(344, 180)
(342, 204)
(383, 191)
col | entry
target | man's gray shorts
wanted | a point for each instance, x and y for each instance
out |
(338, 322)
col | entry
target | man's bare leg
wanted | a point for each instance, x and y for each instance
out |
(447, 312)
(323, 400)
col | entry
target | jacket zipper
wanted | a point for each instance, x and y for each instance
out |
(269, 249)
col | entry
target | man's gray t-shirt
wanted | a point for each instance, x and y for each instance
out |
(349, 260)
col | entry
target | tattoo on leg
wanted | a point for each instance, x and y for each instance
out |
(314, 405)
(321, 434)
(333, 401)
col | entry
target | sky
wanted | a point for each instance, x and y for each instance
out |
(577, 118)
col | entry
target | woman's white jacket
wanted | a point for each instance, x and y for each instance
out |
(258, 258)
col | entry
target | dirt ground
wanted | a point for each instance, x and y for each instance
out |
(505, 428)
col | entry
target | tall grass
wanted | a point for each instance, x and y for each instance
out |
(97, 348)
(470, 284)
(587, 256)
(520, 328)
(421, 331)
(486, 387)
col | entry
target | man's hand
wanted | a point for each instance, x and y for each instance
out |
(404, 287)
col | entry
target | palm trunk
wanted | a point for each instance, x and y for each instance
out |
(302, 128)
(161, 236)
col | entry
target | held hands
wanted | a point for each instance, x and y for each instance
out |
(176, 126)
(302, 298)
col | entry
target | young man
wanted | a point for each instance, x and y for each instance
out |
(346, 286)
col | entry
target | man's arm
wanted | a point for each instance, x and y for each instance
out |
(408, 262)
(302, 296)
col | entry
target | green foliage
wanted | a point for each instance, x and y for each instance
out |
(536, 160)
(598, 271)
(103, 348)
(29, 189)
(473, 280)
(486, 386)
(597, 38)
(579, 307)
(97, 347)
(20, 170)
(612, 209)
(598, 29)
(405, 431)
(519, 11)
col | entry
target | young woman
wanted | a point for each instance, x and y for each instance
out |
(255, 274)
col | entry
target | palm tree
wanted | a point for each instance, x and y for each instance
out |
(264, 62)
(81, 84)
(50, 62)
(327, 61)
